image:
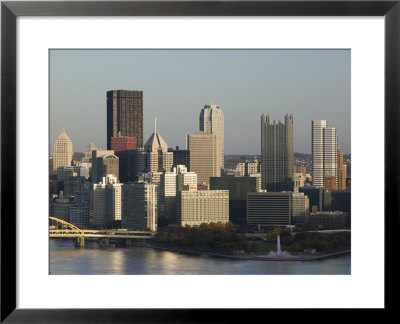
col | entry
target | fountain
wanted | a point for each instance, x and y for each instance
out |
(279, 253)
(278, 243)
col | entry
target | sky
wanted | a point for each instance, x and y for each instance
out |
(176, 84)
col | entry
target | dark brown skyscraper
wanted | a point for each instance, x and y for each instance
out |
(125, 115)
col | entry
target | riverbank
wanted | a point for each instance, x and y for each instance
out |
(67, 259)
(254, 257)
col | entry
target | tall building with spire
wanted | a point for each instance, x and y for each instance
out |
(277, 155)
(63, 151)
(125, 115)
(211, 121)
(324, 153)
(158, 158)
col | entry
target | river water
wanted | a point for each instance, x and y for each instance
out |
(95, 260)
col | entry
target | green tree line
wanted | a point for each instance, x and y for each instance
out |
(211, 237)
(299, 241)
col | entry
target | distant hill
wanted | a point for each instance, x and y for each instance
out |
(300, 159)
(302, 156)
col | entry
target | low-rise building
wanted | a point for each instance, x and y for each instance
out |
(338, 219)
(247, 168)
(203, 206)
(268, 209)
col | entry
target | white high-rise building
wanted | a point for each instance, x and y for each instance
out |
(185, 180)
(317, 143)
(247, 168)
(176, 180)
(62, 151)
(324, 152)
(212, 121)
(171, 183)
(105, 201)
(168, 184)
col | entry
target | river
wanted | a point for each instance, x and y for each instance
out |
(95, 260)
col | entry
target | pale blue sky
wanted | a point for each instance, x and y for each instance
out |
(176, 84)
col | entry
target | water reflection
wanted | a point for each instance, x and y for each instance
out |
(66, 259)
(169, 262)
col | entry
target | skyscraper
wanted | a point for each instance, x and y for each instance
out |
(205, 155)
(341, 172)
(140, 206)
(105, 202)
(277, 154)
(87, 159)
(158, 159)
(181, 157)
(125, 115)
(212, 121)
(62, 151)
(121, 147)
(137, 163)
(324, 152)
(104, 163)
(238, 188)
(167, 196)
(79, 212)
(317, 139)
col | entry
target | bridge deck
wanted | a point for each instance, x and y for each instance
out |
(102, 236)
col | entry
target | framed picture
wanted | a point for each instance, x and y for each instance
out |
(234, 31)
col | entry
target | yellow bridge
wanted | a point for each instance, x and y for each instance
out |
(68, 230)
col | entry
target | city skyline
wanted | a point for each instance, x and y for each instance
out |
(300, 82)
(130, 194)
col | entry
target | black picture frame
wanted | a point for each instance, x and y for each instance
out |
(10, 10)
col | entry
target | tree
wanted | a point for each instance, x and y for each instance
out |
(272, 235)
(296, 247)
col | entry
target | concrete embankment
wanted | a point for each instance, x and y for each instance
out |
(301, 257)
(259, 257)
